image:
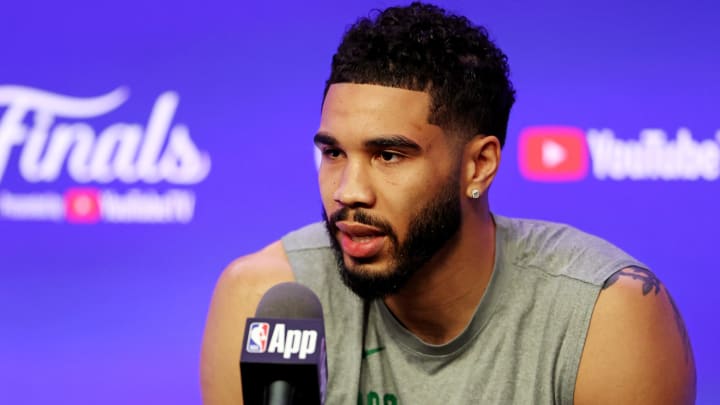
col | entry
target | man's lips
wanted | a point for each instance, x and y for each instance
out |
(360, 240)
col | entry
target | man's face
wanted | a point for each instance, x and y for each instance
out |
(389, 184)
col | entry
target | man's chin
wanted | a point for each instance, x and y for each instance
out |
(370, 264)
(371, 280)
(370, 271)
(365, 287)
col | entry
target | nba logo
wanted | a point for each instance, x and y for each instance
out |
(257, 337)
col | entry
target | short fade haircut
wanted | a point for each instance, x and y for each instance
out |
(422, 47)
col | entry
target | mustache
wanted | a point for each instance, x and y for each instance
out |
(361, 217)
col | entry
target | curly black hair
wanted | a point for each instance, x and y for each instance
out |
(422, 47)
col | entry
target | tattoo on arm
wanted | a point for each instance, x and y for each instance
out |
(652, 284)
(681, 327)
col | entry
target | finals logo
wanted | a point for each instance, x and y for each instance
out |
(50, 135)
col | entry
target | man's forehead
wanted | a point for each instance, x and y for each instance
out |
(370, 108)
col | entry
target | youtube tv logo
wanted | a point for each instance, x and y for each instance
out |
(82, 205)
(553, 154)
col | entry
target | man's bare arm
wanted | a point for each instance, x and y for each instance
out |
(637, 349)
(235, 298)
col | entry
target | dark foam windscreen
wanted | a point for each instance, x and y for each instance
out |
(290, 301)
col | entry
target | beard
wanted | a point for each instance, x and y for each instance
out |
(428, 231)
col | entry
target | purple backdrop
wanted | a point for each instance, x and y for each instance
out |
(108, 260)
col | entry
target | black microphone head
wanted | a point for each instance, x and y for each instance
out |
(283, 355)
(290, 301)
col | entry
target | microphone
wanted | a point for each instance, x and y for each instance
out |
(283, 359)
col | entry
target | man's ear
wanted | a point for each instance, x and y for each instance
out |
(481, 159)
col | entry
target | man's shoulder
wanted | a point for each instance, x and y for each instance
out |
(236, 295)
(273, 261)
(311, 257)
(637, 344)
(548, 232)
(311, 236)
(559, 249)
(269, 265)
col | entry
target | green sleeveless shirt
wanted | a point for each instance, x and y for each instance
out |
(522, 346)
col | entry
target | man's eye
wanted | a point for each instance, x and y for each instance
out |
(332, 153)
(387, 156)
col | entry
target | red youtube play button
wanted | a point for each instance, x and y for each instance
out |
(553, 154)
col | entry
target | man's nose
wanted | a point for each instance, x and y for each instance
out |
(355, 188)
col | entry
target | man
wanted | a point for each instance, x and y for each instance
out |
(451, 303)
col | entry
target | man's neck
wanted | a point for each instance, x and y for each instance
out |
(438, 302)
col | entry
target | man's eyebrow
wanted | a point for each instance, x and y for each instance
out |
(322, 138)
(380, 142)
(393, 141)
